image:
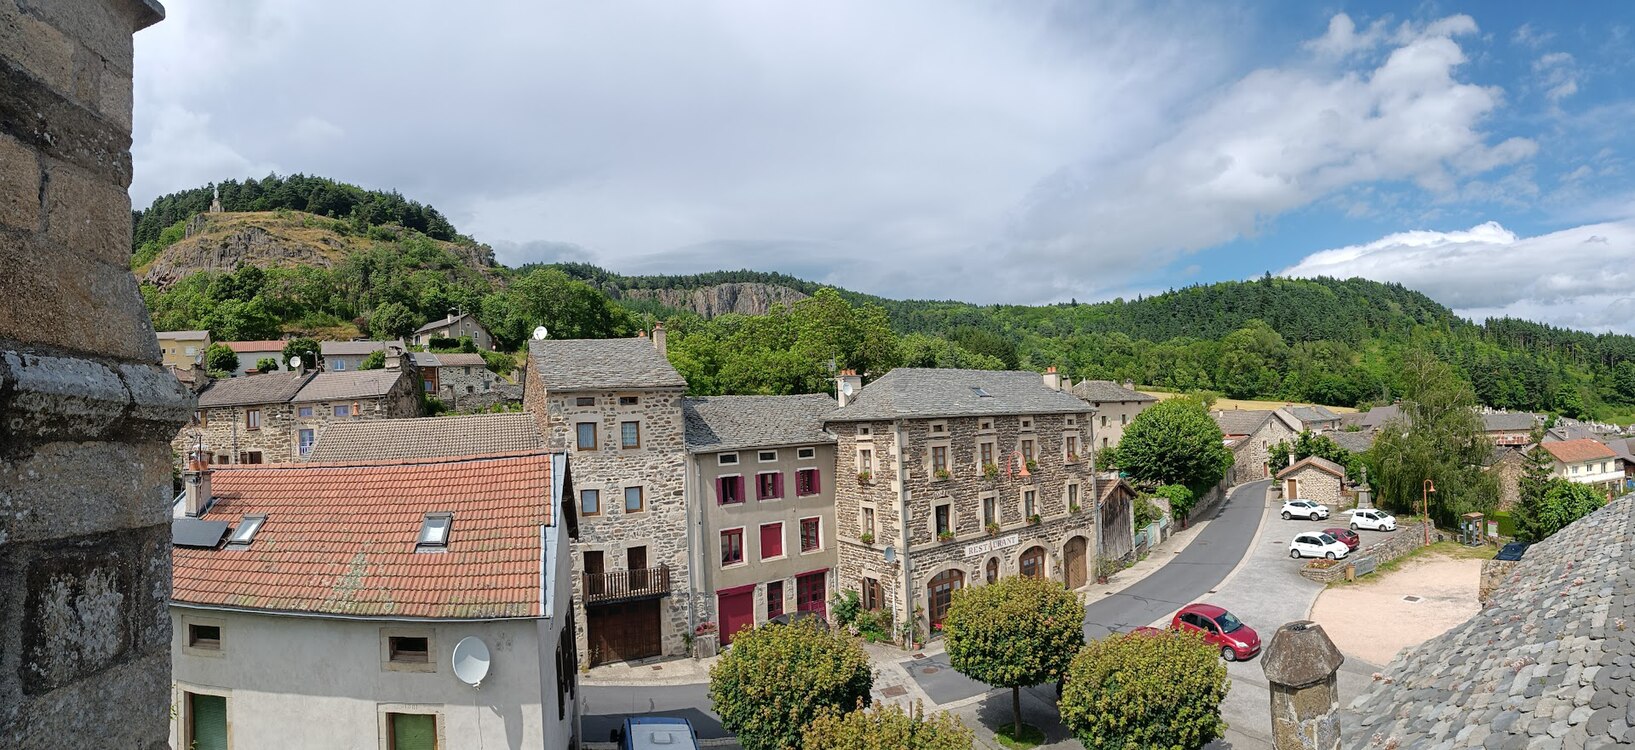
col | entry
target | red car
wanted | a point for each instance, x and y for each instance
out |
(1346, 536)
(1221, 630)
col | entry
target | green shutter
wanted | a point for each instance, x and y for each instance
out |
(209, 722)
(414, 732)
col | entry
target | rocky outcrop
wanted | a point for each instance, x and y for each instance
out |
(743, 298)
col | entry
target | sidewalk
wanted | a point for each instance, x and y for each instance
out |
(680, 670)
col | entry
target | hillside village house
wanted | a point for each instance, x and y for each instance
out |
(1314, 418)
(760, 485)
(276, 417)
(1314, 478)
(1251, 434)
(1588, 462)
(319, 605)
(347, 356)
(615, 405)
(1116, 406)
(449, 376)
(252, 352)
(454, 327)
(952, 478)
(1510, 429)
(183, 349)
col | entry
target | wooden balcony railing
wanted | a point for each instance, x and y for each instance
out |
(621, 585)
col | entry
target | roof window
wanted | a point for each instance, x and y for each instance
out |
(246, 531)
(981, 392)
(434, 532)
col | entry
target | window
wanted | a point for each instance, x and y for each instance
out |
(249, 457)
(305, 441)
(1029, 503)
(1104, 420)
(805, 453)
(1123, 419)
(867, 523)
(993, 569)
(732, 547)
(468, 372)
(201, 418)
(206, 722)
(985, 452)
(768, 485)
(771, 540)
(590, 502)
(343, 410)
(303, 411)
(409, 650)
(1072, 495)
(247, 528)
(871, 593)
(990, 511)
(629, 400)
(774, 599)
(811, 535)
(865, 460)
(726, 459)
(1027, 423)
(430, 386)
(984, 424)
(585, 401)
(1104, 442)
(944, 514)
(434, 532)
(412, 731)
(864, 430)
(207, 637)
(1027, 450)
(252, 419)
(630, 435)
(585, 436)
(340, 365)
(1072, 421)
(939, 428)
(807, 482)
(633, 500)
(766, 456)
(729, 490)
(939, 458)
(1072, 444)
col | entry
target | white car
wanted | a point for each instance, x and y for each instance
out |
(1317, 544)
(1304, 509)
(1373, 518)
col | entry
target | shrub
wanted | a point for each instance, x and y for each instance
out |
(990, 470)
(775, 680)
(866, 537)
(1561, 503)
(945, 536)
(1180, 499)
(887, 727)
(846, 606)
(1174, 442)
(1146, 512)
(942, 473)
(266, 364)
(219, 357)
(1126, 692)
(873, 624)
(1013, 633)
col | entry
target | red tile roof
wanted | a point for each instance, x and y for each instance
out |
(1583, 449)
(255, 346)
(340, 539)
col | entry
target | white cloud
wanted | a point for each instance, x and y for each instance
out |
(1579, 277)
(1557, 74)
(1528, 36)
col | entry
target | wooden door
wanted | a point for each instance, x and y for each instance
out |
(812, 593)
(621, 632)
(1033, 562)
(940, 592)
(1293, 490)
(737, 612)
(594, 582)
(1076, 562)
(636, 563)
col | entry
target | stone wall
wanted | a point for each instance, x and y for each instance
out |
(1404, 540)
(1494, 573)
(1249, 456)
(226, 433)
(85, 408)
(1312, 483)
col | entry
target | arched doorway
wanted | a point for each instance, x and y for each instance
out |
(1076, 562)
(940, 593)
(992, 570)
(1032, 562)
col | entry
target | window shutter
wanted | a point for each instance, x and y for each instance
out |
(738, 484)
(771, 540)
(817, 481)
(720, 490)
(209, 722)
(777, 484)
(414, 732)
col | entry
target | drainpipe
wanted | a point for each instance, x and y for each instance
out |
(695, 527)
(1095, 493)
(902, 531)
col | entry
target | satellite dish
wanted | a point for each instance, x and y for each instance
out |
(846, 388)
(891, 554)
(295, 363)
(471, 660)
(540, 333)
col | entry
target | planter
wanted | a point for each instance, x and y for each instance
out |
(941, 474)
(706, 646)
(993, 529)
(946, 536)
(866, 538)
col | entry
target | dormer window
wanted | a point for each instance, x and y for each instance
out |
(246, 531)
(434, 532)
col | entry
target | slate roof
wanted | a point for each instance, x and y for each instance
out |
(448, 321)
(1313, 413)
(1509, 422)
(269, 388)
(427, 437)
(169, 335)
(1241, 421)
(1566, 431)
(460, 359)
(355, 348)
(1546, 663)
(1356, 442)
(1314, 462)
(728, 423)
(1379, 415)
(914, 392)
(338, 386)
(601, 364)
(1573, 451)
(341, 539)
(1107, 390)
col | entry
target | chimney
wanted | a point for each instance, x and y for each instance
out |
(196, 485)
(1053, 381)
(659, 339)
(1129, 385)
(847, 384)
(394, 358)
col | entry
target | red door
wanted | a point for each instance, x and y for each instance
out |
(812, 594)
(737, 611)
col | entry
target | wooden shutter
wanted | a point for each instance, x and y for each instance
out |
(777, 484)
(414, 732)
(209, 721)
(771, 540)
(720, 490)
(817, 481)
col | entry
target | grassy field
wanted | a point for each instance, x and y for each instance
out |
(1233, 403)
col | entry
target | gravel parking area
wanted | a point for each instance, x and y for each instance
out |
(1379, 616)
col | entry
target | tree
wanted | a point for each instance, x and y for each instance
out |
(1175, 442)
(887, 727)
(1015, 632)
(777, 678)
(1309, 444)
(393, 320)
(375, 361)
(1180, 500)
(1439, 437)
(305, 348)
(1561, 503)
(266, 364)
(220, 358)
(1136, 691)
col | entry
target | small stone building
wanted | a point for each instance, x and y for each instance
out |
(346, 356)
(1313, 478)
(1250, 434)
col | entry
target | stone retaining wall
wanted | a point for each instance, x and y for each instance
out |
(1404, 540)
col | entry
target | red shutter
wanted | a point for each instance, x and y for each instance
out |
(817, 481)
(771, 540)
(720, 490)
(777, 484)
(738, 484)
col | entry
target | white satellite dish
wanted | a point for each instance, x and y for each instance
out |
(846, 388)
(295, 363)
(471, 660)
(540, 333)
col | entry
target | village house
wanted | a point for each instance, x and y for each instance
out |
(321, 605)
(1588, 462)
(615, 405)
(183, 349)
(450, 376)
(454, 327)
(1116, 406)
(959, 477)
(347, 356)
(1251, 434)
(760, 486)
(1314, 417)
(1510, 429)
(276, 417)
(1314, 478)
(250, 353)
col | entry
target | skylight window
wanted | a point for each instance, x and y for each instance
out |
(434, 532)
(246, 531)
(980, 392)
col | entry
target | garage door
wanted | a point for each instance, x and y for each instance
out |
(736, 608)
(625, 631)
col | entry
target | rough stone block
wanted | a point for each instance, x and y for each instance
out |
(19, 186)
(36, 46)
(126, 707)
(49, 494)
(56, 398)
(72, 303)
(113, 98)
(55, 125)
(104, 28)
(158, 398)
(90, 216)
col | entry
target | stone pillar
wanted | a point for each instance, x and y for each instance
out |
(86, 412)
(1302, 665)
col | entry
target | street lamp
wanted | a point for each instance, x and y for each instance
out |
(1425, 504)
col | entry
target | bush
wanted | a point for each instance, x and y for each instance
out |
(375, 361)
(874, 625)
(1014, 633)
(1180, 499)
(219, 357)
(1174, 442)
(1147, 512)
(887, 727)
(1562, 503)
(846, 605)
(266, 364)
(776, 679)
(1130, 692)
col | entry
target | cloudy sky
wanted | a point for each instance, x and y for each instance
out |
(1016, 151)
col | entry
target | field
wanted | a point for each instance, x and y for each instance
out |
(1233, 403)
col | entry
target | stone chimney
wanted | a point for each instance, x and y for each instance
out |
(394, 358)
(1129, 385)
(196, 485)
(1053, 380)
(659, 339)
(1301, 665)
(847, 384)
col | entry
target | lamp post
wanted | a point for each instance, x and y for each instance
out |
(1425, 505)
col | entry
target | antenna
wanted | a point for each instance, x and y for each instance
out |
(471, 660)
(540, 333)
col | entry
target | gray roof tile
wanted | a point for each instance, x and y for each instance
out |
(353, 348)
(601, 364)
(1510, 422)
(1356, 442)
(727, 423)
(427, 437)
(913, 392)
(332, 386)
(1313, 413)
(271, 388)
(1107, 390)
(1240, 421)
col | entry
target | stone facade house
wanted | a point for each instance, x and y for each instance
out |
(454, 327)
(451, 377)
(1251, 434)
(1313, 478)
(1116, 406)
(615, 405)
(1508, 463)
(276, 417)
(251, 352)
(1314, 418)
(183, 349)
(348, 356)
(320, 605)
(760, 487)
(1506, 429)
(331, 397)
(950, 478)
(1588, 462)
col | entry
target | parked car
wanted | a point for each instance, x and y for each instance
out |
(1317, 544)
(1220, 628)
(1346, 536)
(1311, 511)
(1512, 551)
(655, 733)
(1373, 518)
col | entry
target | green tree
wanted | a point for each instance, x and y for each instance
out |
(777, 678)
(1136, 691)
(305, 348)
(392, 320)
(1175, 442)
(220, 358)
(1013, 633)
(886, 727)
(266, 364)
(1308, 444)
(1561, 503)
(1439, 437)
(375, 361)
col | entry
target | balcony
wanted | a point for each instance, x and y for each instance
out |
(625, 585)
